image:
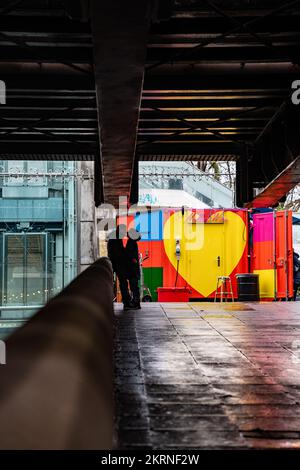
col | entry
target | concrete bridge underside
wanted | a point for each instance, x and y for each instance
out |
(117, 82)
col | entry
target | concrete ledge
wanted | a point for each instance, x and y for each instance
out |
(56, 390)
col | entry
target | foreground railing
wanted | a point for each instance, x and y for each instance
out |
(56, 388)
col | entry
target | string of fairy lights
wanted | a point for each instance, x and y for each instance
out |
(36, 175)
(170, 172)
(43, 295)
(190, 172)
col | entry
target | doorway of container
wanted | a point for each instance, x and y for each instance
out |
(272, 254)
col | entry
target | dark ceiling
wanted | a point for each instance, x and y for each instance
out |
(217, 72)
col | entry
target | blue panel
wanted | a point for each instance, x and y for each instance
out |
(150, 225)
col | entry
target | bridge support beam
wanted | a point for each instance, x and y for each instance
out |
(244, 188)
(279, 187)
(120, 43)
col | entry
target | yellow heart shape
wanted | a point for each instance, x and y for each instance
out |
(208, 250)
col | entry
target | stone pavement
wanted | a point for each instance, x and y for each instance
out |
(208, 376)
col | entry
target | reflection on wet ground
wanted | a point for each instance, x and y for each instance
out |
(207, 375)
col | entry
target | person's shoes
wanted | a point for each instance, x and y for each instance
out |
(129, 306)
(137, 305)
(132, 306)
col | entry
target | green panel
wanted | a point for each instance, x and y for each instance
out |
(153, 278)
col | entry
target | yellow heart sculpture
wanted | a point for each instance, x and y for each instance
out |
(208, 250)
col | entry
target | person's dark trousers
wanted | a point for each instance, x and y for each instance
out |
(134, 287)
(126, 299)
(295, 291)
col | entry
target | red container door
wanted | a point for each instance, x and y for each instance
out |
(290, 260)
(284, 255)
(263, 254)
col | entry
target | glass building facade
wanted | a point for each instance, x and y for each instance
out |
(38, 233)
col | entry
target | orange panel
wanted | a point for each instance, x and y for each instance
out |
(263, 255)
(290, 261)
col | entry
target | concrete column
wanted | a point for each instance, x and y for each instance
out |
(87, 228)
(244, 183)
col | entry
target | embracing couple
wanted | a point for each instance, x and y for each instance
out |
(125, 262)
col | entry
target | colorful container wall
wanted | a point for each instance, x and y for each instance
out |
(212, 243)
(216, 243)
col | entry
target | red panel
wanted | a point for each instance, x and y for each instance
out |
(155, 251)
(175, 294)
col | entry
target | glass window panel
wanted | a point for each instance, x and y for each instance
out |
(38, 234)
(14, 269)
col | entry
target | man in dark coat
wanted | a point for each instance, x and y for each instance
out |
(296, 273)
(117, 255)
(133, 266)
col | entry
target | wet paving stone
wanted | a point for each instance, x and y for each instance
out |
(261, 443)
(200, 439)
(208, 376)
(274, 424)
(180, 421)
(208, 399)
(262, 410)
(186, 409)
(134, 439)
(256, 398)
